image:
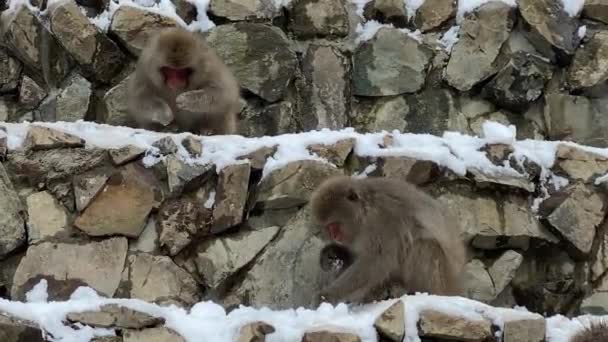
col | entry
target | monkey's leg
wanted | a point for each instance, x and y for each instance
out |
(355, 282)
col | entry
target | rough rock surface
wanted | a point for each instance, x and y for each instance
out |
(112, 315)
(12, 225)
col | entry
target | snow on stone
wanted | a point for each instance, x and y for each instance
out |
(582, 31)
(210, 201)
(38, 294)
(412, 6)
(466, 6)
(449, 38)
(573, 7)
(497, 133)
(359, 6)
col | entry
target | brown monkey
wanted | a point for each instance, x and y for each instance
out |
(394, 232)
(595, 332)
(179, 77)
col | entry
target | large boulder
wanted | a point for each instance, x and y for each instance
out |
(12, 225)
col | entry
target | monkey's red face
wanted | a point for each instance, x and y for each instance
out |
(335, 232)
(176, 78)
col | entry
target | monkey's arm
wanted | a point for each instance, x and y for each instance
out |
(355, 282)
(149, 110)
(211, 99)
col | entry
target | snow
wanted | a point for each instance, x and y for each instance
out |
(38, 294)
(359, 6)
(210, 201)
(449, 38)
(412, 6)
(573, 7)
(582, 31)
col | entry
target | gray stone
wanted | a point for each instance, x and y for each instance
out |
(504, 268)
(30, 93)
(595, 304)
(590, 64)
(430, 111)
(181, 174)
(520, 82)
(434, 13)
(268, 74)
(596, 9)
(475, 57)
(46, 217)
(35, 46)
(550, 29)
(257, 159)
(389, 114)
(218, 259)
(115, 316)
(10, 71)
(125, 154)
(243, 9)
(44, 138)
(87, 186)
(72, 102)
(258, 120)
(115, 101)
(67, 266)
(521, 182)
(580, 164)
(335, 153)
(13, 329)
(319, 18)
(134, 26)
(322, 336)
(391, 323)
(193, 145)
(12, 225)
(166, 145)
(524, 330)
(185, 10)
(377, 71)
(254, 332)
(577, 217)
(436, 324)
(160, 334)
(231, 197)
(386, 11)
(292, 184)
(97, 55)
(478, 283)
(148, 239)
(123, 206)
(158, 279)
(411, 170)
(327, 90)
(577, 118)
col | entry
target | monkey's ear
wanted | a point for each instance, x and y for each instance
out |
(352, 195)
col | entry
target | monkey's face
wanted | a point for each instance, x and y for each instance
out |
(177, 50)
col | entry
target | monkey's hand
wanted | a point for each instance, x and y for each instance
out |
(157, 111)
(195, 100)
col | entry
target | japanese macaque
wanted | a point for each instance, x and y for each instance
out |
(179, 78)
(391, 232)
(594, 332)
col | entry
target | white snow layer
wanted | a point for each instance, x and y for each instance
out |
(207, 321)
(573, 7)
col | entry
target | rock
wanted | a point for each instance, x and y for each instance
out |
(377, 73)
(475, 57)
(67, 266)
(123, 206)
(327, 90)
(182, 175)
(216, 260)
(115, 316)
(436, 324)
(3, 145)
(231, 197)
(49, 165)
(386, 12)
(319, 18)
(46, 217)
(411, 170)
(478, 283)
(390, 323)
(115, 101)
(274, 119)
(147, 241)
(160, 334)
(386, 114)
(87, 186)
(35, 46)
(521, 181)
(590, 64)
(44, 138)
(295, 251)
(335, 153)
(430, 111)
(134, 26)
(30, 93)
(185, 10)
(107, 339)
(580, 164)
(16, 330)
(10, 72)
(520, 82)
(193, 146)
(329, 336)
(125, 154)
(270, 72)
(270, 218)
(577, 216)
(181, 219)
(257, 159)
(236, 10)
(595, 304)
(155, 278)
(434, 13)
(550, 29)
(72, 102)
(255, 332)
(166, 145)
(596, 9)
(97, 55)
(292, 184)
(12, 225)
(576, 118)
(524, 330)
(504, 268)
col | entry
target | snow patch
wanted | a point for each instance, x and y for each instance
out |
(573, 7)
(449, 38)
(359, 6)
(210, 201)
(582, 32)
(38, 294)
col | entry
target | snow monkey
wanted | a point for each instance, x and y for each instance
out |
(179, 77)
(394, 233)
(596, 331)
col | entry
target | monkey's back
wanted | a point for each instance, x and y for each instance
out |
(596, 332)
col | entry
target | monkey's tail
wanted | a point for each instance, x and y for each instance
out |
(594, 332)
